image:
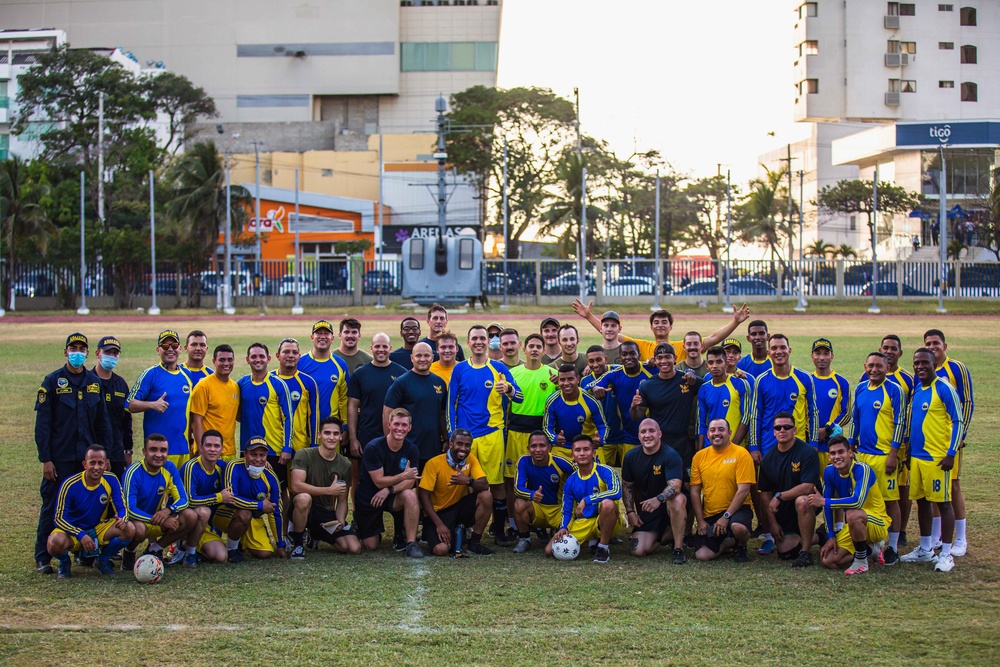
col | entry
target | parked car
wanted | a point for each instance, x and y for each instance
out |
(739, 287)
(566, 283)
(287, 287)
(890, 288)
(375, 279)
(35, 283)
(630, 286)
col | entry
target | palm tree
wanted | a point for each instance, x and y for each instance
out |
(23, 219)
(845, 251)
(198, 207)
(819, 248)
(562, 218)
(760, 217)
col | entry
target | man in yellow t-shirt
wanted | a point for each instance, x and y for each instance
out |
(721, 476)
(447, 348)
(215, 403)
(453, 492)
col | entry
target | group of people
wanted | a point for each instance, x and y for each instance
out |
(527, 438)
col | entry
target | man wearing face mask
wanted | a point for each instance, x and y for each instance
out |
(493, 330)
(115, 391)
(70, 415)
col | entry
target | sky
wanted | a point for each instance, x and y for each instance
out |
(702, 81)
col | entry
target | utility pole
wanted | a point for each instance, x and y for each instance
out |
(582, 247)
(506, 279)
(874, 309)
(380, 238)
(3, 313)
(728, 308)
(153, 309)
(297, 308)
(100, 158)
(943, 232)
(256, 150)
(658, 273)
(801, 306)
(82, 310)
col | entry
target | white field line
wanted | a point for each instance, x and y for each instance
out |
(413, 606)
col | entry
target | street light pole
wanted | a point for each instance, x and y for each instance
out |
(506, 277)
(943, 233)
(153, 309)
(658, 273)
(801, 306)
(874, 309)
(297, 308)
(728, 308)
(82, 310)
(380, 237)
(256, 150)
(227, 288)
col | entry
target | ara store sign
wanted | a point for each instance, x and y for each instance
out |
(273, 221)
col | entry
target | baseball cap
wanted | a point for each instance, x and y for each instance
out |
(821, 343)
(254, 443)
(611, 315)
(547, 321)
(733, 342)
(76, 338)
(494, 325)
(168, 333)
(322, 324)
(108, 342)
(665, 348)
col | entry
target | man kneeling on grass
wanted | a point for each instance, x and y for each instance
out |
(257, 501)
(454, 493)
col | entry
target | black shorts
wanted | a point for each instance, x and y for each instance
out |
(280, 470)
(318, 515)
(788, 518)
(742, 516)
(463, 512)
(368, 520)
(656, 521)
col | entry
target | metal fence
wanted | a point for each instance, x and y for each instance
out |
(345, 282)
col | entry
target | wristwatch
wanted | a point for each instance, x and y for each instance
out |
(660, 498)
(778, 495)
(726, 515)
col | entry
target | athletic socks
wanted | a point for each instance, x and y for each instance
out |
(523, 536)
(861, 551)
(602, 546)
(946, 548)
(960, 530)
(115, 545)
(935, 530)
(232, 544)
(476, 538)
(155, 547)
(192, 550)
(894, 541)
(298, 537)
(499, 516)
(926, 543)
(766, 536)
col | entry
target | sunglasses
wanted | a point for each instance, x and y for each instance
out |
(170, 346)
(783, 427)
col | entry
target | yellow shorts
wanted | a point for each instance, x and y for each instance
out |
(614, 455)
(517, 446)
(215, 530)
(887, 484)
(824, 461)
(928, 481)
(179, 459)
(547, 516)
(563, 453)
(154, 533)
(261, 535)
(489, 451)
(100, 529)
(876, 533)
(903, 471)
(230, 457)
(958, 463)
(585, 530)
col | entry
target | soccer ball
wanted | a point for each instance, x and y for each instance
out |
(566, 548)
(148, 569)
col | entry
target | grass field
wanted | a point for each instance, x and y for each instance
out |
(383, 609)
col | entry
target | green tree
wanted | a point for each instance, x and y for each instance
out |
(819, 248)
(24, 222)
(856, 196)
(181, 102)
(706, 199)
(564, 208)
(761, 216)
(844, 251)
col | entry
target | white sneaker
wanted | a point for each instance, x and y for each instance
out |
(937, 546)
(944, 564)
(918, 555)
(959, 548)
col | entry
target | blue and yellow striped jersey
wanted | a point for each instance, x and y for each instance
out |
(331, 377)
(730, 400)
(936, 427)
(833, 403)
(856, 490)
(549, 478)
(956, 373)
(265, 412)
(794, 394)
(148, 492)
(196, 375)
(612, 419)
(472, 403)
(623, 387)
(250, 493)
(175, 421)
(879, 417)
(203, 487)
(904, 380)
(80, 508)
(602, 483)
(303, 403)
(752, 367)
(584, 415)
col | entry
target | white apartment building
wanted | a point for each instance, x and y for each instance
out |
(913, 63)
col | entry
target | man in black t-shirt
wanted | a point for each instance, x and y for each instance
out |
(409, 331)
(789, 472)
(669, 399)
(437, 322)
(387, 484)
(425, 394)
(652, 493)
(366, 394)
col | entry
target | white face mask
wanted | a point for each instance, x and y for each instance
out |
(255, 471)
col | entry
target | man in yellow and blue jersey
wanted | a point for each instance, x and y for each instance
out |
(538, 484)
(478, 394)
(850, 488)
(621, 384)
(256, 524)
(957, 375)
(784, 388)
(196, 349)
(833, 396)
(156, 501)
(303, 405)
(204, 479)
(723, 396)
(329, 371)
(758, 361)
(265, 406)
(936, 430)
(879, 423)
(589, 502)
(90, 515)
(571, 411)
(163, 394)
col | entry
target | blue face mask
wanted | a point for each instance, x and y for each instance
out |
(76, 359)
(495, 343)
(108, 362)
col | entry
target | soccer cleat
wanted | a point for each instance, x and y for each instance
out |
(959, 548)
(937, 546)
(173, 555)
(805, 559)
(944, 564)
(679, 557)
(523, 544)
(602, 555)
(889, 556)
(44, 567)
(766, 548)
(479, 548)
(65, 566)
(104, 566)
(191, 560)
(413, 551)
(879, 558)
(740, 554)
(399, 542)
(298, 553)
(615, 541)
(236, 556)
(128, 560)
(857, 567)
(918, 555)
